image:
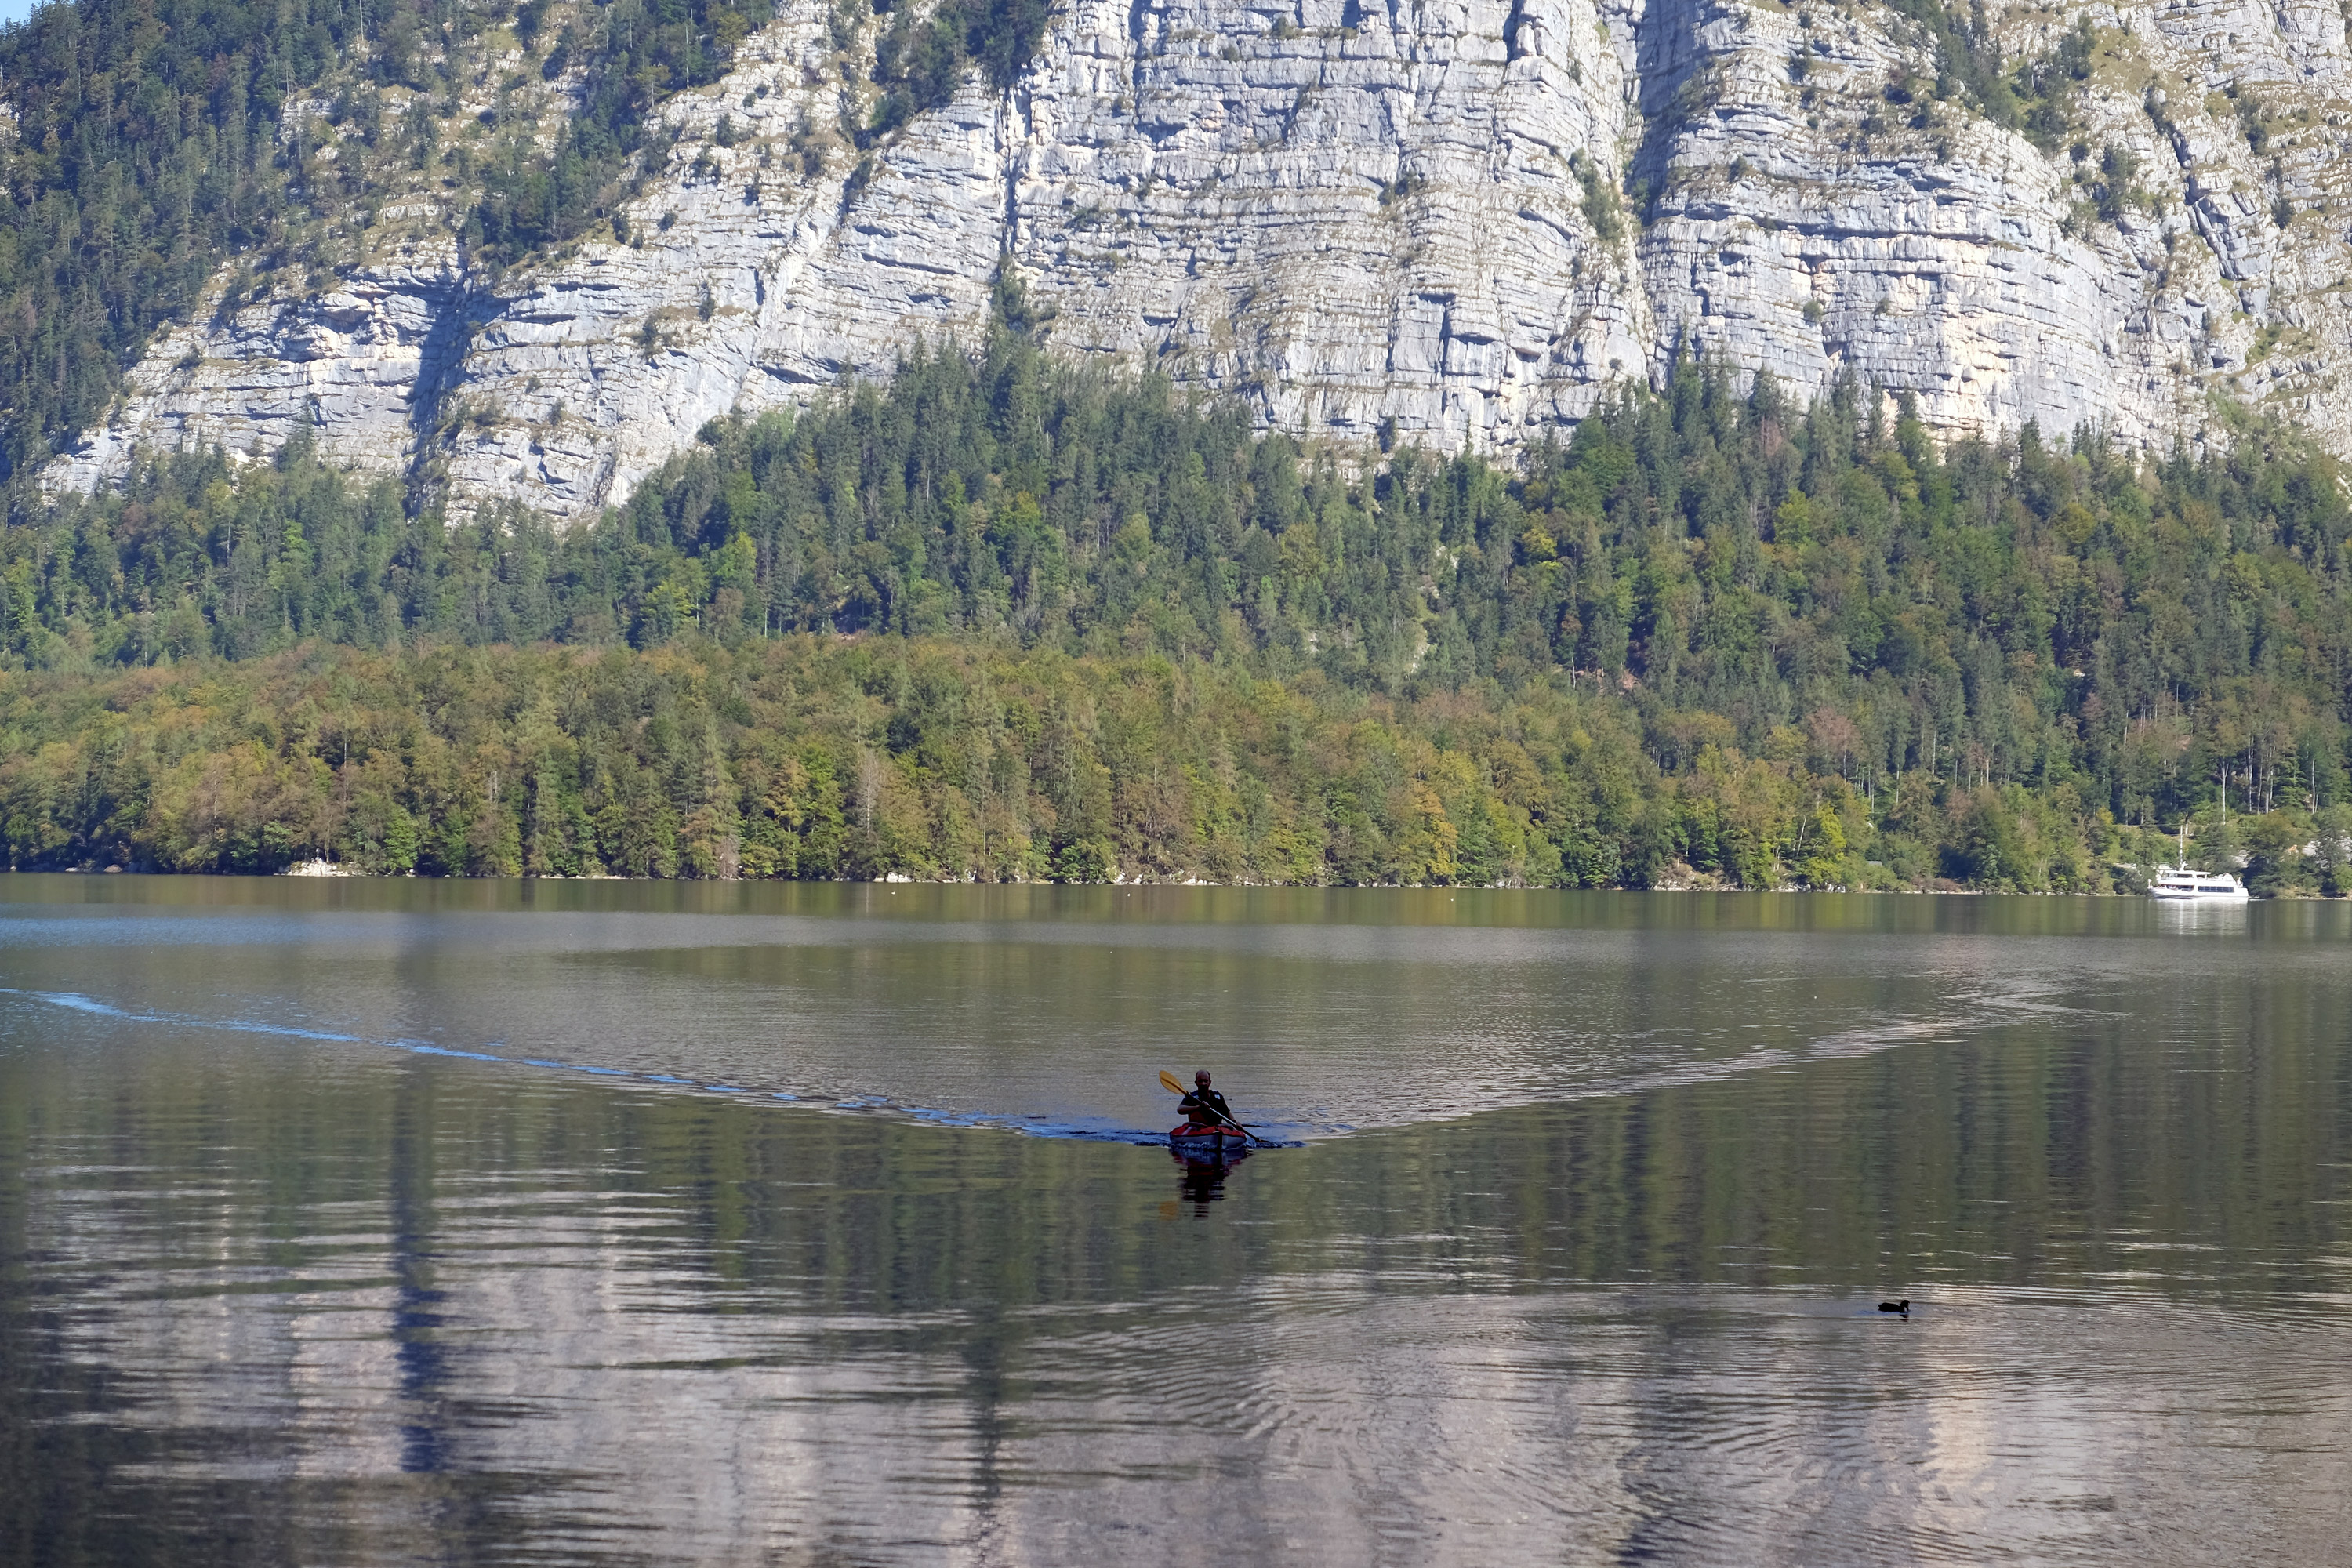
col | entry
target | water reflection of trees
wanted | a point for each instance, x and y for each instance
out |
(482, 1257)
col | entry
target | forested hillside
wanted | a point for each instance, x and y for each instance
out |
(148, 144)
(813, 756)
(1968, 664)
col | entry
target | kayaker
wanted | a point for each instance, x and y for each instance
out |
(1205, 1106)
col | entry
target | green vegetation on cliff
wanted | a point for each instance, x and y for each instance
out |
(159, 157)
(145, 149)
(1716, 632)
(155, 142)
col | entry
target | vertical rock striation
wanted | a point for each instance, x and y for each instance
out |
(1458, 222)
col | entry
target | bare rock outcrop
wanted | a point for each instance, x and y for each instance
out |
(1458, 222)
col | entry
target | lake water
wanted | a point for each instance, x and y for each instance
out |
(360, 1222)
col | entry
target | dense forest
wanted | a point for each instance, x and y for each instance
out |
(815, 756)
(141, 150)
(1714, 636)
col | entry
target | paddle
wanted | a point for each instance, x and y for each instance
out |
(1173, 1085)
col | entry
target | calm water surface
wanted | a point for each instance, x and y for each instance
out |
(364, 1222)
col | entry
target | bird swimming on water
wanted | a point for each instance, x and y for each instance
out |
(1904, 1306)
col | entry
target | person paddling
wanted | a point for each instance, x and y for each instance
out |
(1205, 1106)
(1207, 1117)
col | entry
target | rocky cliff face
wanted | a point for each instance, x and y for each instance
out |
(1368, 217)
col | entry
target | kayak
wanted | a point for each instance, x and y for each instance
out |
(1190, 1137)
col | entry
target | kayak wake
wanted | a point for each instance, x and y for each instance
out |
(1089, 1129)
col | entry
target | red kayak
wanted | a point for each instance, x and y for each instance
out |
(1192, 1137)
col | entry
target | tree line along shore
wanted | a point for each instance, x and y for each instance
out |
(815, 756)
(1005, 618)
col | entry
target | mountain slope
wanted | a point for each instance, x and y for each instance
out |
(1457, 223)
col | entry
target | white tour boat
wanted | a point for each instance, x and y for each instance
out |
(2178, 884)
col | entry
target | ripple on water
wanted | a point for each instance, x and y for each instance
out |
(703, 1241)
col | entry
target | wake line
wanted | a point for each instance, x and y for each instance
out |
(1991, 1009)
(1034, 1127)
(75, 1002)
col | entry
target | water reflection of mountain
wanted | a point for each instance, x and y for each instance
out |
(481, 1305)
(268, 1300)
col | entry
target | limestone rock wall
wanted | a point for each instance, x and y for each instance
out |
(1370, 214)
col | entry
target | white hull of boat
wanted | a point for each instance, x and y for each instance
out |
(2178, 884)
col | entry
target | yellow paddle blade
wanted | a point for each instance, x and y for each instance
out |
(1168, 1082)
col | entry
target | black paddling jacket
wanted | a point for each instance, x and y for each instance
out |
(1205, 1106)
